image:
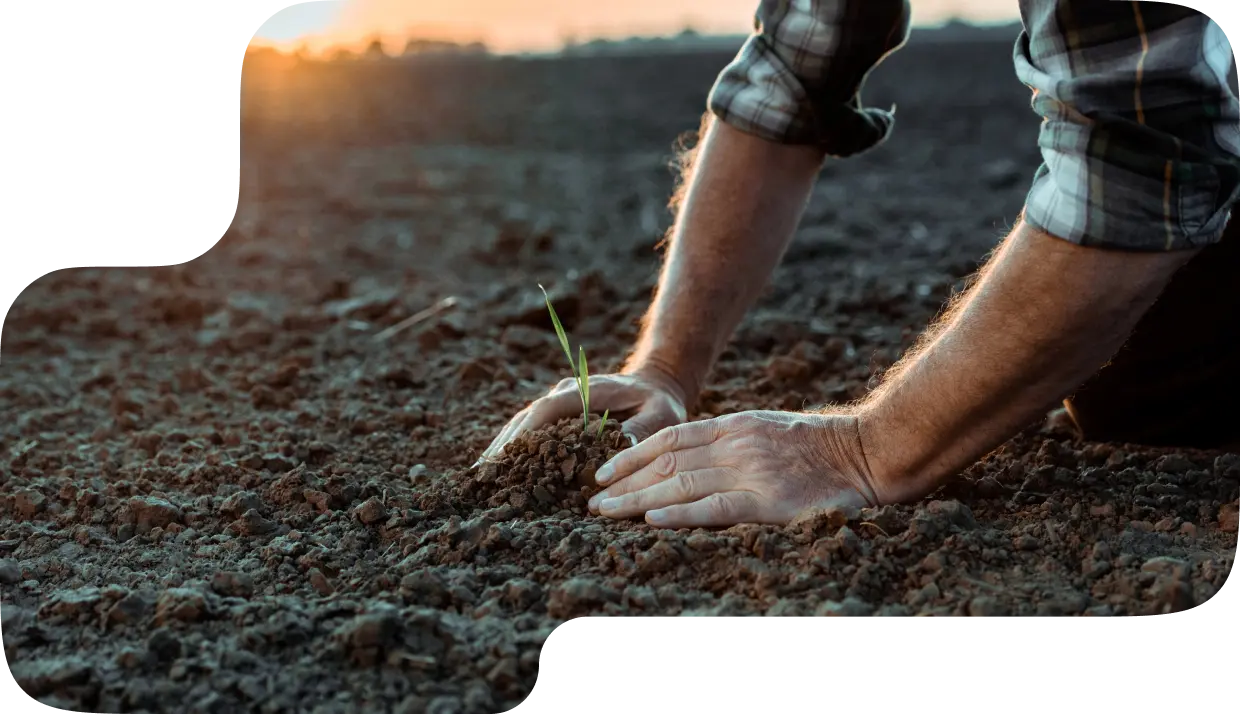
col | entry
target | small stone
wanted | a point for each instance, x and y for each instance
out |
(320, 583)
(129, 609)
(1106, 510)
(1027, 542)
(29, 503)
(1188, 529)
(150, 513)
(239, 503)
(1165, 525)
(181, 604)
(231, 584)
(371, 511)
(251, 523)
(10, 572)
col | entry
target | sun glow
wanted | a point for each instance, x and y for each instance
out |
(538, 25)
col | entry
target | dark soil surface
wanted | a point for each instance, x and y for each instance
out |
(223, 487)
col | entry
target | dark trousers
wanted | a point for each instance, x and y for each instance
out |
(1176, 382)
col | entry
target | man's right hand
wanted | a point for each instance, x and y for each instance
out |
(650, 402)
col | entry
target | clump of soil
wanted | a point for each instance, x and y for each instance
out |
(547, 470)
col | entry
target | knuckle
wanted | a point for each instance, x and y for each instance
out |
(665, 466)
(669, 438)
(685, 485)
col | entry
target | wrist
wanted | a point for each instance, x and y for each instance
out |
(899, 456)
(667, 377)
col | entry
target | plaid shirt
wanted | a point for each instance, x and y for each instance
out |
(1141, 132)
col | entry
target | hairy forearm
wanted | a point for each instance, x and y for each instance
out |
(1043, 316)
(743, 199)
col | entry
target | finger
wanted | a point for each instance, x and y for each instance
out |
(685, 487)
(716, 510)
(661, 469)
(672, 438)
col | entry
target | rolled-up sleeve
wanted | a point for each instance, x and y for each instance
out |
(798, 77)
(1141, 132)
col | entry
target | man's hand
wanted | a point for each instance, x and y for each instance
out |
(752, 467)
(653, 401)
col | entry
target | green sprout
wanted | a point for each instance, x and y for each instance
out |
(581, 373)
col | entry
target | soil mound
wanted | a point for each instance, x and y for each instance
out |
(547, 470)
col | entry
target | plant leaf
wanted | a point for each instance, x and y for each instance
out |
(583, 384)
(602, 424)
(559, 331)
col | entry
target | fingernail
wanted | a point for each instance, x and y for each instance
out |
(632, 439)
(656, 517)
(608, 504)
(604, 474)
(597, 499)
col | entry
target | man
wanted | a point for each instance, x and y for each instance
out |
(1140, 142)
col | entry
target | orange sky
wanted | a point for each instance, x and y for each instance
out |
(507, 25)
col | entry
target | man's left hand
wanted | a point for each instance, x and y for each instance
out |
(751, 467)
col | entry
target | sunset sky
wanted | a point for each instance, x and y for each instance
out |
(513, 25)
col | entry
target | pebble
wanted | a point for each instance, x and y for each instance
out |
(252, 523)
(181, 604)
(130, 609)
(578, 596)
(10, 572)
(371, 511)
(29, 503)
(320, 583)
(232, 584)
(239, 503)
(150, 513)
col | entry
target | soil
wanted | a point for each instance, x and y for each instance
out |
(244, 483)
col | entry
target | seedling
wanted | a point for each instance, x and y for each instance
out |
(581, 373)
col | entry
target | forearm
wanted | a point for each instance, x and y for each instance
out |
(1044, 316)
(743, 199)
